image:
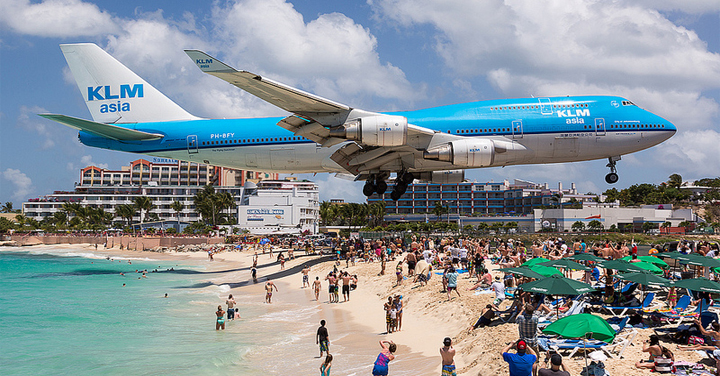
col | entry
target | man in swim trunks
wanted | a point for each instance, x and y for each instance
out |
(305, 272)
(316, 286)
(268, 291)
(331, 287)
(447, 353)
(346, 286)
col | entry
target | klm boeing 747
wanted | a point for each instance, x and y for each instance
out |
(320, 135)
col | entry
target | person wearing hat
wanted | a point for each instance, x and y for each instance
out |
(499, 287)
(447, 352)
(557, 368)
(521, 363)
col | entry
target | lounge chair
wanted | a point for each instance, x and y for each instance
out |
(678, 312)
(619, 344)
(645, 304)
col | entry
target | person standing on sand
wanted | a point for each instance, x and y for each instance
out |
(220, 320)
(447, 353)
(269, 290)
(231, 307)
(346, 286)
(331, 287)
(322, 338)
(380, 367)
(316, 286)
(452, 277)
(325, 367)
(523, 363)
(388, 319)
(305, 272)
(253, 272)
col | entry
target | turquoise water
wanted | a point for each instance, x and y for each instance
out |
(65, 312)
(71, 315)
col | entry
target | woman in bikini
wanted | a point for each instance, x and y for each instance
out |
(220, 321)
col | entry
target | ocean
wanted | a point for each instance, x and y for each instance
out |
(65, 311)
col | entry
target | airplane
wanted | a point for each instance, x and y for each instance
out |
(320, 135)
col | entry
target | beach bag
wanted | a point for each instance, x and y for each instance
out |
(695, 340)
(594, 369)
(663, 365)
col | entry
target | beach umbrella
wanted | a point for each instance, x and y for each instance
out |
(523, 271)
(546, 271)
(671, 255)
(645, 278)
(699, 284)
(557, 285)
(624, 266)
(700, 260)
(534, 261)
(585, 257)
(650, 259)
(582, 325)
(565, 263)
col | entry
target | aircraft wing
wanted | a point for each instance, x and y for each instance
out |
(104, 130)
(288, 98)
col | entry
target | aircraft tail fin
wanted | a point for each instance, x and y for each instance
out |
(114, 93)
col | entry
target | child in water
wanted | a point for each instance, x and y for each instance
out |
(325, 367)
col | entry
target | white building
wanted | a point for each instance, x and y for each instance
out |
(608, 215)
(280, 207)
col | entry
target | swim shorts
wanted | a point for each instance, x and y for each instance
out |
(448, 370)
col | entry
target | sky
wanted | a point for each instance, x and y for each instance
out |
(378, 55)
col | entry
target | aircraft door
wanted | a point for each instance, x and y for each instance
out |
(599, 127)
(517, 129)
(251, 160)
(545, 106)
(281, 159)
(192, 144)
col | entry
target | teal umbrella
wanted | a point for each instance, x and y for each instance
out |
(523, 271)
(700, 260)
(546, 271)
(534, 261)
(565, 263)
(699, 284)
(585, 257)
(624, 266)
(557, 285)
(645, 278)
(650, 259)
(582, 325)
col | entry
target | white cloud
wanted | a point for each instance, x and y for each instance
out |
(23, 184)
(694, 152)
(332, 187)
(690, 7)
(55, 18)
(29, 120)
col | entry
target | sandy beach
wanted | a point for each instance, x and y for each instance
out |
(356, 326)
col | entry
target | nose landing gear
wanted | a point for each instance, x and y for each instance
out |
(612, 177)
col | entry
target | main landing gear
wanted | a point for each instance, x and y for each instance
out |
(612, 177)
(377, 184)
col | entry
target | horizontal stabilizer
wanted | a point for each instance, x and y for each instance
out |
(104, 130)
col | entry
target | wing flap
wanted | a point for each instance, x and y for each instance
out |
(104, 130)
(310, 130)
(288, 98)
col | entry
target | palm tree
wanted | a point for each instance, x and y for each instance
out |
(7, 207)
(60, 219)
(439, 209)
(675, 180)
(210, 204)
(144, 204)
(178, 207)
(126, 212)
(376, 210)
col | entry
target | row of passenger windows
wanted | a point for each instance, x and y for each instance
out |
(462, 131)
(644, 126)
(253, 140)
(535, 107)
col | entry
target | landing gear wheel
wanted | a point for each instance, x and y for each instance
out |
(369, 189)
(395, 195)
(380, 187)
(401, 188)
(408, 178)
(611, 178)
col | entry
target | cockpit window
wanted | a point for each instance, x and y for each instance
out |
(628, 103)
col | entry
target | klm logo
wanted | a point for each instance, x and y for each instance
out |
(475, 150)
(101, 93)
(385, 129)
(578, 112)
(203, 63)
(105, 92)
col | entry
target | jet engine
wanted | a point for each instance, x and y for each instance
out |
(442, 177)
(464, 153)
(382, 130)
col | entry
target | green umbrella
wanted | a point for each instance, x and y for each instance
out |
(557, 285)
(582, 325)
(651, 259)
(585, 257)
(672, 255)
(565, 263)
(700, 260)
(523, 271)
(645, 278)
(546, 271)
(699, 284)
(534, 261)
(624, 266)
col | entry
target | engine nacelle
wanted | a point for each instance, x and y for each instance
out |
(443, 177)
(464, 153)
(381, 130)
